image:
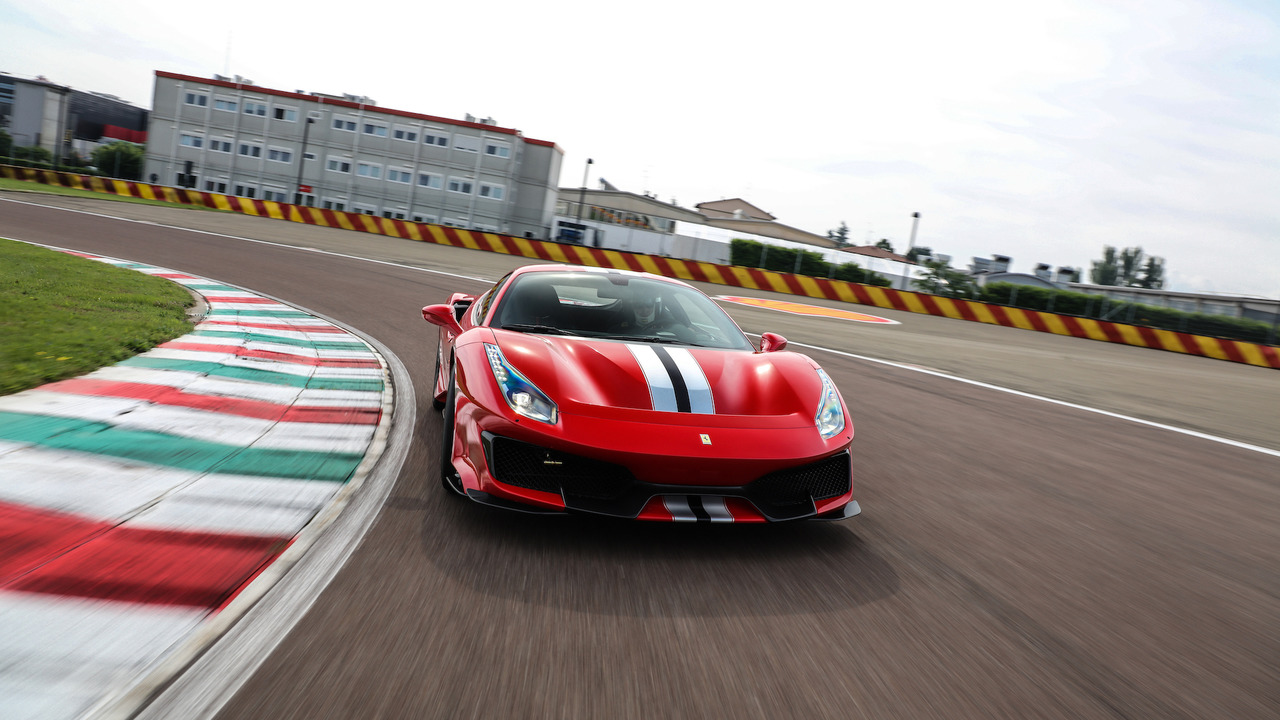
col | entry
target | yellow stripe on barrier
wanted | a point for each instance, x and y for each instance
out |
(1211, 347)
(712, 272)
(414, 230)
(221, 202)
(878, 297)
(1168, 340)
(1092, 329)
(1019, 318)
(648, 264)
(914, 304)
(809, 286)
(275, 210)
(1252, 354)
(744, 277)
(1130, 335)
(946, 306)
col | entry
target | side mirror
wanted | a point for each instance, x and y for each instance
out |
(772, 342)
(442, 315)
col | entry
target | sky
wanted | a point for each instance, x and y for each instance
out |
(1043, 130)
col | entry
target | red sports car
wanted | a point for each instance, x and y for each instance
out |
(568, 388)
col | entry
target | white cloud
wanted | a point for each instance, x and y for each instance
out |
(1040, 130)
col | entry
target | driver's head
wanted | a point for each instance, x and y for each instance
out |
(646, 304)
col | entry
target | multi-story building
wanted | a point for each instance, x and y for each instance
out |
(60, 119)
(226, 135)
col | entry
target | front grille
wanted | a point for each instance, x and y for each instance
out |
(785, 491)
(537, 468)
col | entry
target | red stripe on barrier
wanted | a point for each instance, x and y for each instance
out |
(272, 355)
(242, 300)
(1037, 321)
(240, 407)
(1232, 349)
(154, 567)
(278, 326)
(1112, 332)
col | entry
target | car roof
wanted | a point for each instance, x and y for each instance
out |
(562, 267)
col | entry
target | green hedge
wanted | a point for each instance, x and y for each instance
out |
(750, 253)
(1101, 307)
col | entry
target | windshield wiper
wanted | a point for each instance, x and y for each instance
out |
(649, 339)
(544, 329)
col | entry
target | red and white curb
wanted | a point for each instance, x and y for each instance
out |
(139, 503)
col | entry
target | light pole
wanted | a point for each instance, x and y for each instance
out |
(582, 199)
(302, 158)
(915, 223)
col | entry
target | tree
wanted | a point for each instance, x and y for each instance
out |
(119, 159)
(6, 143)
(941, 279)
(840, 235)
(1152, 277)
(884, 244)
(918, 252)
(1128, 269)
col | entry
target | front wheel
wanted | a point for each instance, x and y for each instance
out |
(435, 380)
(448, 474)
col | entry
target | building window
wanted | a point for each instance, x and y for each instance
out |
(194, 141)
(308, 156)
(420, 218)
(369, 170)
(285, 114)
(334, 204)
(217, 145)
(247, 191)
(375, 130)
(454, 223)
(497, 150)
(466, 143)
(458, 185)
(344, 124)
(399, 176)
(215, 186)
(493, 192)
(406, 134)
(427, 180)
(274, 195)
(364, 209)
(434, 137)
(197, 99)
(250, 150)
(393, 214)
(339, 165)
(255, 108)
(225, 105)
(280, 155)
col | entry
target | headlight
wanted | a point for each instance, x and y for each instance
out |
(523, 396)
(830, 417)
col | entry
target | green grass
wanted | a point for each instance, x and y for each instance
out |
(62, 315)
(37, 187)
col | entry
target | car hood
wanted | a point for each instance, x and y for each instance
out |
(586, 376)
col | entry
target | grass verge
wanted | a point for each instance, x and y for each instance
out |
(37, 187)
(62, 315)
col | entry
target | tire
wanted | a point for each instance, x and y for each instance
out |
(435, 380)
(448, 475)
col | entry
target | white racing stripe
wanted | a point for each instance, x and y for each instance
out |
(716, 508)
(700, 399)
(678, 506)
(662, 392)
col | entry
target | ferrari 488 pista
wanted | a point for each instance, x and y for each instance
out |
(575, 389)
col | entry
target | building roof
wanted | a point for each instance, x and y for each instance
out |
(330, 100)
(736, 208)
(876, 252)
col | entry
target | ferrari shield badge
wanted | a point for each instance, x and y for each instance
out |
(706, 439)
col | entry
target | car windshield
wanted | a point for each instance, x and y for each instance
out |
(618, 306)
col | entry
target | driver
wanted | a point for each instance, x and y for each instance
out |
(648, 316)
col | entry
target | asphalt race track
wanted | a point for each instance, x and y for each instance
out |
(1016, 558)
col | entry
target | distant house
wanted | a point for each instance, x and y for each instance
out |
(876, 252)
(734, 208)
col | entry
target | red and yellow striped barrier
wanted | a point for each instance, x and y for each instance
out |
(731, 275)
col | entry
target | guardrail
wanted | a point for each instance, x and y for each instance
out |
(751, 278)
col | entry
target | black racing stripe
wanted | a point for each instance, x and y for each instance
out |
(695, 504)
(677, 380)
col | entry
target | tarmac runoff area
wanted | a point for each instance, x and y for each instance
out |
(138, 502)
